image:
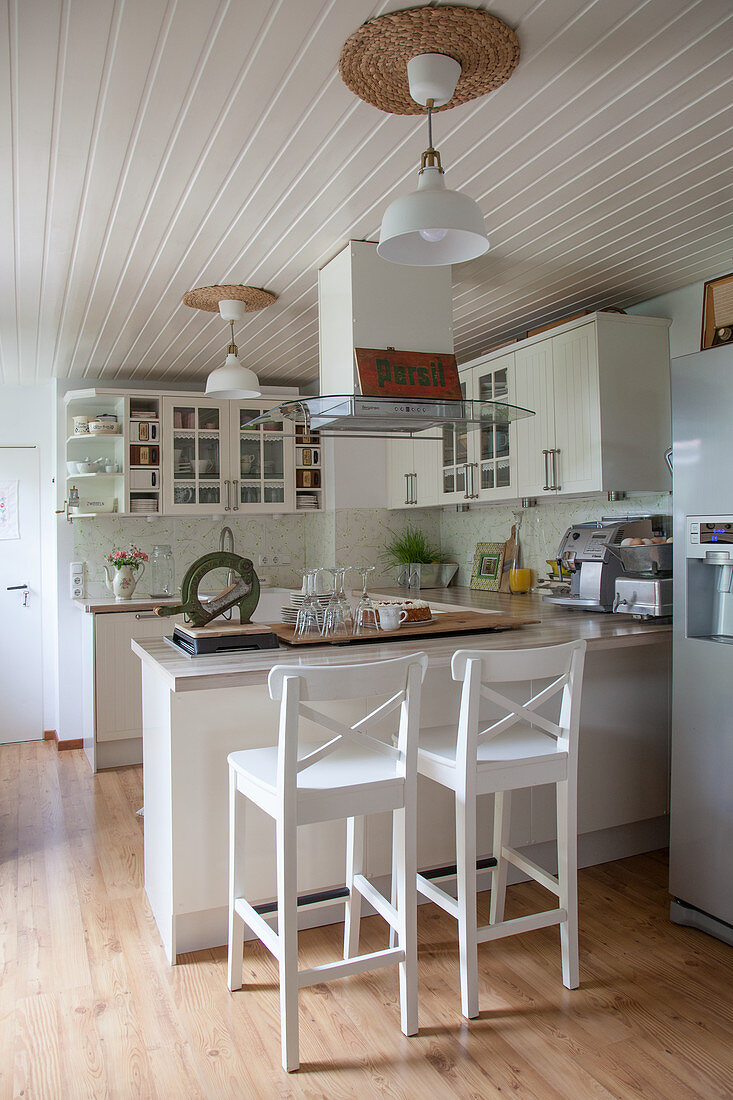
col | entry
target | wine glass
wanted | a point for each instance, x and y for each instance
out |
(337, 617)
(365, 614)
(307, 622)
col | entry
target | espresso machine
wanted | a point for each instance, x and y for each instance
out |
(606, 576)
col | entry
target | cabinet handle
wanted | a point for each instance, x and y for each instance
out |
(474, 468)
(407, 489)
(466, 495)
(555, 475)
(228, 506)
(145, 615)
(235, 485)
(414, 488)
(546, 455)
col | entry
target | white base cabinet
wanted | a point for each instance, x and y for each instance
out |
(112, 685)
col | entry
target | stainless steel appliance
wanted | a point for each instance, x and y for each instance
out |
(701, 825)
(590, 552)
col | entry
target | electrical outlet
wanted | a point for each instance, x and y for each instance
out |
(265, 559)
(76, 579)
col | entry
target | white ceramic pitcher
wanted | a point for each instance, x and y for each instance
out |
(122, 581)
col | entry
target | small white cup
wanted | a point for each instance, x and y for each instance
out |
(391, 617)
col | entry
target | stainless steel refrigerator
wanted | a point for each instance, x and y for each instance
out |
(701, 824)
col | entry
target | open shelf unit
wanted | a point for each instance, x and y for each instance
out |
(308, 470)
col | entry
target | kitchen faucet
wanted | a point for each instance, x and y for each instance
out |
(226, 542)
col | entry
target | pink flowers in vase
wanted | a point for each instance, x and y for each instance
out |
(132, 556)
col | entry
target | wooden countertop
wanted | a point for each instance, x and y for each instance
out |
(102, 604)
(557, 625)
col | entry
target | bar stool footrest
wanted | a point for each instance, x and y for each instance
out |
(521, 924)
(345, 967)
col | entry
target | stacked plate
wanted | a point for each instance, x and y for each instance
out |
(141, 505)
(290, 613)
(307, 500)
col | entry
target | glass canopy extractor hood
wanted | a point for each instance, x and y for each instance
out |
(354, 415)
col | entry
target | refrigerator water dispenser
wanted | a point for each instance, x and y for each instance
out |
(709, 554)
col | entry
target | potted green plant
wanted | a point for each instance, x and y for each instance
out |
(418, 560)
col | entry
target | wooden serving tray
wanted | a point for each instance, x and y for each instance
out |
(221, 628)
(447, 622)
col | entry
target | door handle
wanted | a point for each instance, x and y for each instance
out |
(235, 487)
(407, 488)
(466, 495)
(228, 506)
(20, 588)
(546, 487)
(414, 489)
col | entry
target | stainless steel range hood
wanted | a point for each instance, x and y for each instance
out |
(353, 415)
(366, 302)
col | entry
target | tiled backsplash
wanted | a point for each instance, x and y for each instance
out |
(541, 530)
(189, 538)
(354, 536)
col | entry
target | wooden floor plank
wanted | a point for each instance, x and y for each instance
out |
(90, 1008)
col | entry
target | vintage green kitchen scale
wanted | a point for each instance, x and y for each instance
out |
(201, 634)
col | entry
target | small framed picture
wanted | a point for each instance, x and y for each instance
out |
(488, 559)
(717, 312)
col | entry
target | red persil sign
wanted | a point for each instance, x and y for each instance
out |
(390, 373)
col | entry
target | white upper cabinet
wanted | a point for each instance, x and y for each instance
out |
(195, 455)
(213, 462)
(599, 388)
(262, 461)
(477, 464)
(412, 478)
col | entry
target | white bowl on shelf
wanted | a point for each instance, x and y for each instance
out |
(86, 467)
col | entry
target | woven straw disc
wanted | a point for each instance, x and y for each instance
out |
(208, 297)
(373, 61)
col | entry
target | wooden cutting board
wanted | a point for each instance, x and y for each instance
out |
(448, 622)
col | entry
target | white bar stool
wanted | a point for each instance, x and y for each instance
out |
(518, 748)
(350, 775)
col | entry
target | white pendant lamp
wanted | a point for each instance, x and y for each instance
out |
(232, 381)
(432, 226)
(430, 58)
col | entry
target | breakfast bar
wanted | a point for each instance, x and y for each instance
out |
(197, 710)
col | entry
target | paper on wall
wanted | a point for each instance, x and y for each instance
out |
(9, 510)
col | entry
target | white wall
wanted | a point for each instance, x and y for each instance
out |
(27, 416)
(684, 306)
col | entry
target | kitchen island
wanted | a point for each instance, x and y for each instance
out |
(196, 711)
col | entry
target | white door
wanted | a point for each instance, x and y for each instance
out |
(21, 667)
(577, 410)
(536, 434)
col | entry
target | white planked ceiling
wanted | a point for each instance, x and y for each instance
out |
(151, 146)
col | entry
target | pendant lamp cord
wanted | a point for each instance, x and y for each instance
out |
(430, 123)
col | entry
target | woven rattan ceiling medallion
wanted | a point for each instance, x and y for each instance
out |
(373, 61)
(208, 297)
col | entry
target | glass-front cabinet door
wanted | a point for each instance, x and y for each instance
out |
(262, 462)
(455, 472)
(495, 478)
(196, 455)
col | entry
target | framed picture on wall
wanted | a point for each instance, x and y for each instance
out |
(717, 312)
(488, 559)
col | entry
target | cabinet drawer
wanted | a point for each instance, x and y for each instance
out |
(144, 479)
